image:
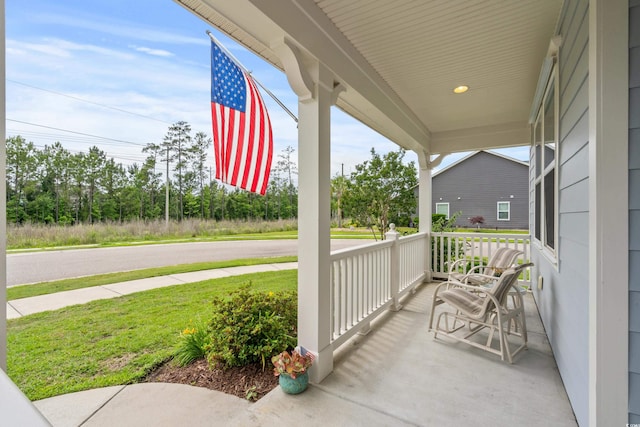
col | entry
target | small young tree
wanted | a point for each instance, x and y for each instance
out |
(477, 220)
(381, 188)
(444, 249)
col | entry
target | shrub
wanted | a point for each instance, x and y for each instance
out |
(194, 343)
(437, 220)
(250, 326)
(442, 246)
(477, 220)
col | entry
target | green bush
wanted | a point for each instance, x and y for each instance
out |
(251, 326)
(437, 220)
(441, 224)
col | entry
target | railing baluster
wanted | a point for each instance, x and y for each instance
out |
(361, 287)
(332, 304)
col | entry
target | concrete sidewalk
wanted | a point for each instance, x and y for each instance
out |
(25, 306)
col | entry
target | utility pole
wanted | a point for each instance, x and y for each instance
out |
(166, 198)
(211, 189)
(340, 189)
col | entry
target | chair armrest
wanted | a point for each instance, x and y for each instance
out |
(480, 276)
(455, 263)
(476, 290)
(477, 267)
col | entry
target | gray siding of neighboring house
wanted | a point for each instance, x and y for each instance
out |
(564, 300)
(476, 185)
(634, 211)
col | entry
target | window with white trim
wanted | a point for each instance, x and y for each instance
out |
(545, 142)
(504, 211)
(443, 208)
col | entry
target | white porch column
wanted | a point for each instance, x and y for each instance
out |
(424, 206)
(608, 213)
(316, 90)
(425, 202)
(3, 201)
(314, 224)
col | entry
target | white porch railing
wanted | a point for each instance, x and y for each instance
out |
(474, 247)
(367, 280)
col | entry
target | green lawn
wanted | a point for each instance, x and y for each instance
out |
(490, 231)
(46, 288)
(116, 341)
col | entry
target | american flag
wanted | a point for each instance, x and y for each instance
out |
(242, 137)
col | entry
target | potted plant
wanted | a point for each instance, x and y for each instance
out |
(291, 368)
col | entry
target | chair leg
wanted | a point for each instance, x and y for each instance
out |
(433, 310)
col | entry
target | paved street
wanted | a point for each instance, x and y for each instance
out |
(33, 267)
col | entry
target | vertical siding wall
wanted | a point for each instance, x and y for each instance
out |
(564, 300)
(634, 211)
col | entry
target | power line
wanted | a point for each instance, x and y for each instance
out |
(78, 133)
(88, 102)
(56, 137)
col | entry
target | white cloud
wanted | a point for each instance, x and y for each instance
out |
(157, 87)
(150, 51)
(128, 30)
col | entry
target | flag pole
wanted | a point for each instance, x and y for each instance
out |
(230, 55)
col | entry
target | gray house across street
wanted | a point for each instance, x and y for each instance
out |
(486, 184)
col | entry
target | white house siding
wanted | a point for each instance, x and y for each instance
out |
(564, 300)
(634, 211)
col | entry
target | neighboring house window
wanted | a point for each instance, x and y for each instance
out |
(443, 208)
(504, 211)
(545, 141)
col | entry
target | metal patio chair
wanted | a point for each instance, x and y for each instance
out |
(467, 310)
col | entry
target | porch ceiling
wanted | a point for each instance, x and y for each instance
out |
(401, 59)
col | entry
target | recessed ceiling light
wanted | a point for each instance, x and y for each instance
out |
(461, 89)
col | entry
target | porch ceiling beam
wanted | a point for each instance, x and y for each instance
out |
(481, 138)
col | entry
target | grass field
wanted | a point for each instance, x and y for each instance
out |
(38, 236)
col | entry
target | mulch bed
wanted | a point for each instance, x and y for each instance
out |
(247, 382)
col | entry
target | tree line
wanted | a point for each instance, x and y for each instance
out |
(55, 186)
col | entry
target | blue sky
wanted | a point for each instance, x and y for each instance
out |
(125, 70)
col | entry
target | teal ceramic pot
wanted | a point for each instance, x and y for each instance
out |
(294, 385)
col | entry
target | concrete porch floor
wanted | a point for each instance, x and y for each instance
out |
(397, 375)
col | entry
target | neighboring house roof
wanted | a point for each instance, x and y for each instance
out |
(454, 164)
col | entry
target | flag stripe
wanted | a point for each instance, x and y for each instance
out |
(242, 133)
(238, 136)
(257, 177)
(216, 147)
(247, 166)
